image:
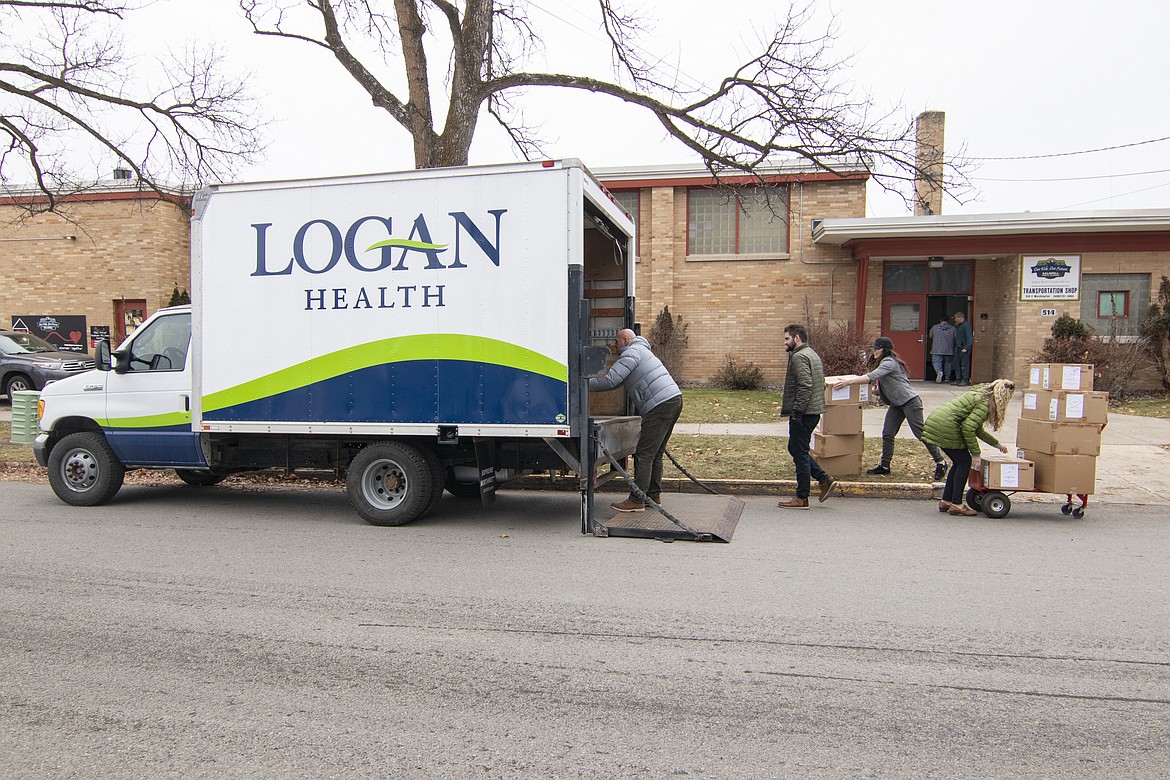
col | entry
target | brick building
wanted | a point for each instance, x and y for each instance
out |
(701, 255)
(112, 256)
(735, 265)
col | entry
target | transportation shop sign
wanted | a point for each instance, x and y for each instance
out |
(1050, 278)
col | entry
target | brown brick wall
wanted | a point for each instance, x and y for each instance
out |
(740, 307)
(124, 248)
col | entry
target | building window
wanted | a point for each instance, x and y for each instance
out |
(751, 220)
(631, 201)
(1114, 305)
(905, 277)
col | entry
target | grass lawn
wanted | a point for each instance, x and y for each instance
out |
(712, 405)
(766, 457)
(13, 453)
(1146, 407)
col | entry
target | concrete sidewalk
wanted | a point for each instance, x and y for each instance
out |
(1133, 468)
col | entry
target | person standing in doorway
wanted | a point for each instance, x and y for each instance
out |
(893, 386)
(658, 399)
(963, 339)
(942, 348)
(804, 403)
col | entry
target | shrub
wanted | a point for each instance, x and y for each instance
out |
(1115, 359)
(1155, 332)
(179, 298)
(841, 345)
(668, 338)
(734, 375)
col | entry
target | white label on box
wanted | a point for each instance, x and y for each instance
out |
(1009, 475)
(841, 393)
(1074, 406)
(1054, 409)
(1047, 372)
(1034, 377)
(1072, 378)
(864, 393)
(1030, 400)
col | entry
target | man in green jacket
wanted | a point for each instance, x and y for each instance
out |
(804, 403)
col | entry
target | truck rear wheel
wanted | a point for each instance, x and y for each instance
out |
(84, 471)
(390, 483)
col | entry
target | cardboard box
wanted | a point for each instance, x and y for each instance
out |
(1004, 473)
(1056, 438)
(841, 418)
(841, 465)
(1060, 376)
(1085, 407)
(834, 444)
(850, 394)
(1068, 474)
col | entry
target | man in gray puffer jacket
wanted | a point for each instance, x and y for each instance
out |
(657, 398)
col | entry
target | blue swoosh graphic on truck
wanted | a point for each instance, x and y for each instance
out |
(422, 378)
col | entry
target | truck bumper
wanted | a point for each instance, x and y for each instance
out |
(41, 449)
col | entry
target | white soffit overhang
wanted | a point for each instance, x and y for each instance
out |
(839, 232)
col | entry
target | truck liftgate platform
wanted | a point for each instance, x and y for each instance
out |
(680, 516)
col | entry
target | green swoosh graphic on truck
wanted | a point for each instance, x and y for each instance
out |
(164, 420)
(430, 346)
(406, 243)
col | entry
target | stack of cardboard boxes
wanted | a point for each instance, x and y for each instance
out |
(1059, 430)
(838, 440)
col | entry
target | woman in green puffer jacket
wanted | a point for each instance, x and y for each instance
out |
(956, 428)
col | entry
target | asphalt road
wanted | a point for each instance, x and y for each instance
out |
(225, 632)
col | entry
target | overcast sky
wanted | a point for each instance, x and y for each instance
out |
(1024, 78)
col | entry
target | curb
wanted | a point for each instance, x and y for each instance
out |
(745, 487)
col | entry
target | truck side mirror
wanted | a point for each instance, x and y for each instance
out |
(121, 360)
(103, 355)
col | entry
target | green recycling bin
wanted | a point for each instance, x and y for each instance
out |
(25, 425)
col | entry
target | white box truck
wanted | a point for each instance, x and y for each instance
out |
(412, 331)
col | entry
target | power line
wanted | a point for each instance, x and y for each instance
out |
(1111, 197)
(1077, 178)
(1070, 154)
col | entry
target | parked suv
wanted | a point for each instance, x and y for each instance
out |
(28, 362)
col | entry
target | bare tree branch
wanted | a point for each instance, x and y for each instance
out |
(784, 102)
(70, 97)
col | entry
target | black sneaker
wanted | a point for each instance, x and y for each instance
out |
(940, 471)
(879, 470)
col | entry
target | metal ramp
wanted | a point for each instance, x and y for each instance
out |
(701, 518)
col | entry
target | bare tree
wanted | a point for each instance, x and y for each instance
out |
(67, 85)
(785, 101)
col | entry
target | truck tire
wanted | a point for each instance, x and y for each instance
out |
(390, 483)
(84, 471)
(438, 474)
(197, 478)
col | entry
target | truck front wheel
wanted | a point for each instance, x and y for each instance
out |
(390, 483)
(84, 471)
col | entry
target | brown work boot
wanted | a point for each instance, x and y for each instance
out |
(826, 486)
(656, 499)
(794, 503)
(629, 505)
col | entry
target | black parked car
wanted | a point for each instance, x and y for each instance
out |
(28, 362)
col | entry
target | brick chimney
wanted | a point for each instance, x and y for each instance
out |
(928, 193)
